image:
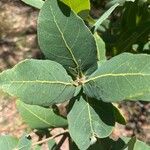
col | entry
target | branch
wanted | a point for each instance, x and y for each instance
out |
(50, 138)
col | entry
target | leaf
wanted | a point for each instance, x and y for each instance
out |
(8, 142)
(120, 144)
(37, 147)
(80, 7)
(35, 3)
(130, 144)
(146, 97)
(121, 2)
(77, 5)
(39, 117)
(90, 119)
(120, 78)
(104, 16)
(24, 143)
(134, 144)
(64, 38)
(101, 50)
(39, 82)
(78, 90)
(139, 145)
(119, 117)
(108, 144)
(52, 144)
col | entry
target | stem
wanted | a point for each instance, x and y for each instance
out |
(50, 138)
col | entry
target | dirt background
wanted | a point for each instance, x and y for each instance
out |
(18, 41)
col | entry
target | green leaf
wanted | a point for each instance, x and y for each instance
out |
(52, 144)
(101, 50)
(108, 144)
(90, 119)
(119, 117)
(39, 117)
(77, 5)
(39, 82)
(8, 142)
(37, 147)
(120, 78)
(35, 3)
(78, 90)
(24, 143)
(134, 144)
(139, 145)
(130, 144)
(80, 7)
(146, 97)
(64, 37)
(120, 144)
(105, 16)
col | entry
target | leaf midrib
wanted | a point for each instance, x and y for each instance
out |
(43, 82)
(116, 75)
(65, 42)
(37, 116)
(90, 118)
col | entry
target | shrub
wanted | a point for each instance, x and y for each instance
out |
(76, 74)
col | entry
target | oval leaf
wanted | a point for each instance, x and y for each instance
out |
(90, 119)
(126, 76)
(63, 37)
(8, 142)
(39, 82)
(39, 117)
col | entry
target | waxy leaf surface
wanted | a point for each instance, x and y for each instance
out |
(8, 142)
(39, 82)
(63, 37)
(89, 119)
(39, 117)
(126, 76)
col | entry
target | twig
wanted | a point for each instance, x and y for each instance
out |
(50, 138)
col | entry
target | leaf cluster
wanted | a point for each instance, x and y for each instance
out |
(77, 72)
